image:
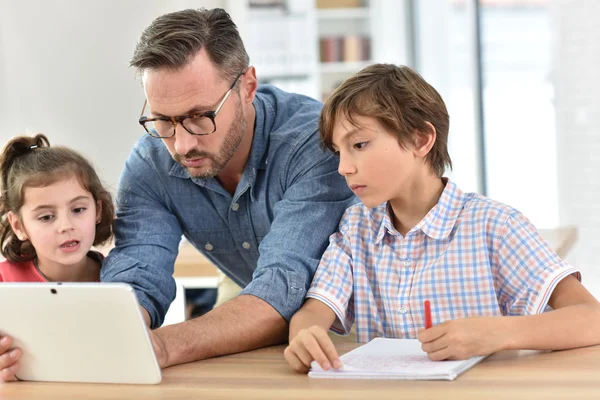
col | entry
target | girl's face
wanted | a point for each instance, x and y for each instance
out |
(60, 221)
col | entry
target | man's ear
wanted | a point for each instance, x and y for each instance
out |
(248, 86)
(424, 140)
(17, 226)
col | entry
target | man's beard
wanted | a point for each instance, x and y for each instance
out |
(230, 145)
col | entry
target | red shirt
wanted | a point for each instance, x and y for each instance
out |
(27, 272)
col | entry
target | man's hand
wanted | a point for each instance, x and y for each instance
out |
(9, 359)
(312, 344)
(463, 338)
(159, 348)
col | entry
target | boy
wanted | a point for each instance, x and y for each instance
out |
(416, 236)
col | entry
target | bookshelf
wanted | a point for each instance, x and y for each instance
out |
(311, 46)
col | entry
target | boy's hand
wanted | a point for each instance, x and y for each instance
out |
(9, 359)
(463, 338)
(312, 344)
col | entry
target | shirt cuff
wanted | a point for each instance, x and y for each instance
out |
(155, 298)
(341, 325)
(283, 290)
(558, 275)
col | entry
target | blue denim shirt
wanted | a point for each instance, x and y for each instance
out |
(268, 237)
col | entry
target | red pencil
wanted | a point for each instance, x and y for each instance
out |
(427, 314)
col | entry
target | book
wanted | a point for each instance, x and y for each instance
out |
(384, 358)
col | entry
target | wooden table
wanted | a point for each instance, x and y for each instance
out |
(264, 374)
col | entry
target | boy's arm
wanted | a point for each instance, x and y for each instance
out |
(309, 339)
(529, 275)
(574, 322)
(312, 313)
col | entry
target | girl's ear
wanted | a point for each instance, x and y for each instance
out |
(424, 140)
(17, 226)
(98, 212)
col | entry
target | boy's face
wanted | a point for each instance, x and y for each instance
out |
(376, 168)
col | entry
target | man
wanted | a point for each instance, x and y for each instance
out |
(238, 170)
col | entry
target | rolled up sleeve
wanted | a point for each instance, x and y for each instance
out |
(147, 236)
(315, 199)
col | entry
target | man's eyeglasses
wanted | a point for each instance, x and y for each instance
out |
(196, 124)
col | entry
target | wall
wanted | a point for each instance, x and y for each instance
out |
(64, 71)
(577, 84)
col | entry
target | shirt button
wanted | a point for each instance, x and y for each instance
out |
(407, 263)
(246, 245)
(402, 310)
(235, 206)
(208, 246)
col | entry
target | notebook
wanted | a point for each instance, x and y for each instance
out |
(383, 358)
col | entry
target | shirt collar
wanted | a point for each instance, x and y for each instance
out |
(437, 224)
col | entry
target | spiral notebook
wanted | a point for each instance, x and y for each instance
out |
(383, 358)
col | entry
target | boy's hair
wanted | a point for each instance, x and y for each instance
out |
(173, 40)
(30, 162)
(399, 99)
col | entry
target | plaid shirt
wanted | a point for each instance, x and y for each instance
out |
(470, 256)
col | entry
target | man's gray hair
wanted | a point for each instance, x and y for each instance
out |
(173, 40)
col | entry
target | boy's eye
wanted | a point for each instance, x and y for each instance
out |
(45, 218)
(360, 145)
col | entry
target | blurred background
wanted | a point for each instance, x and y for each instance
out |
(518, 76)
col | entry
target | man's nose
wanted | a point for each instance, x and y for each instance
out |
(184, 141)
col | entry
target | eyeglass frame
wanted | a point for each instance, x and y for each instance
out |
(174, 120)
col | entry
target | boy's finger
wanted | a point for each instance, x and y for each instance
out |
(296, 363)
(435, 345)
(302, 353)
(431, 334)
(440, 355)
(317, 354)
(329, 349)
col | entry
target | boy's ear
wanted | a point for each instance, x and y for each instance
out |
(424, 140)
(17, 226)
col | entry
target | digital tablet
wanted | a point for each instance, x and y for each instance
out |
(78, 332)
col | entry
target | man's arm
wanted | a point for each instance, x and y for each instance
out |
(147, 236)
(241, 324)
(313, 203)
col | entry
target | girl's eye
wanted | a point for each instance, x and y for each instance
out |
(45, 218)
(79, 210)
(360, 145)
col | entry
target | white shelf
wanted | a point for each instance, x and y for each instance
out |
(343, 13)
(342, 67)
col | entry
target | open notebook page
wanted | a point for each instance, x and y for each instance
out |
(383, 358)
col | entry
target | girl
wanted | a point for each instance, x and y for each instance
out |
(53, 209)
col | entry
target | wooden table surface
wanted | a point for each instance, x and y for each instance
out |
(264, 374)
